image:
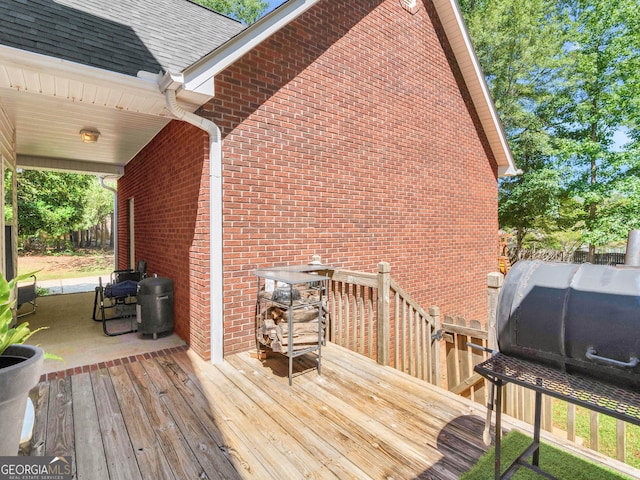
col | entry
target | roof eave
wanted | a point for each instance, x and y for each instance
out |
(458, 36)
(199, 77)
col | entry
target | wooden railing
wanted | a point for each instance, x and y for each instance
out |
(461, 358)
(371, 314)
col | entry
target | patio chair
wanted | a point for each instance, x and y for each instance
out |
(117, 299)
(28, 294)
(136, 275)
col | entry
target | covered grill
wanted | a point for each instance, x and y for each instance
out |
(582, 319)
(571, 332)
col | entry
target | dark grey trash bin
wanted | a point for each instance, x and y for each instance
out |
(155, 305)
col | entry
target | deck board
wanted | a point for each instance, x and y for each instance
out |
(118, 451)
(176, 416)
(148, 451)
(60, 435)
(90, 461)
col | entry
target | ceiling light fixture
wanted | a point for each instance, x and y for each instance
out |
(89, 135)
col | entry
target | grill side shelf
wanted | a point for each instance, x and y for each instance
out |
(615, 401)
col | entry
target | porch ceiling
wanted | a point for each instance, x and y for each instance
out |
(47, 133)
(49, 101)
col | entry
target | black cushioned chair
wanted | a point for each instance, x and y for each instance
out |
(117, 299)
(28, 294)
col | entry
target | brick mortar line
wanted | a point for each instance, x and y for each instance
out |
(111, 363)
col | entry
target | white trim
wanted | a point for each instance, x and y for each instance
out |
(69, 165)
(460, 42)
(198, 77)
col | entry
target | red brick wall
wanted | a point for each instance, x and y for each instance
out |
(169, 183)
(347, 135)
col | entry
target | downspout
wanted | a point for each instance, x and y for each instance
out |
(216, 320)
(114, 226)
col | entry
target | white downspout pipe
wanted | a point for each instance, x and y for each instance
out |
(114, 226)
(215, 224)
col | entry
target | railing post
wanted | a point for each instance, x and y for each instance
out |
(434, 312)
(494, 285)
(383, 320)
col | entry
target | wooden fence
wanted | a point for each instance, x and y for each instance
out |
(371, 314)
(575, 256)
(612, 258)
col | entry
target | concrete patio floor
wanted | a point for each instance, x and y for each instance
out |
(73, 335)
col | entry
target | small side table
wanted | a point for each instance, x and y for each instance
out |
(291, 276)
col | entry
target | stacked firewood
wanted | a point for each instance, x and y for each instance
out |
(273, 322)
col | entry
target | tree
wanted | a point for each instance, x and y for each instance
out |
(565, 77)
(50, 203)
(592, 102)
(98, 207)
(246, 11)
(517, 44)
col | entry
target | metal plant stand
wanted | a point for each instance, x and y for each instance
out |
(289, 277)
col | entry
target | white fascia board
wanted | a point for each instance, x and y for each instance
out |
(458, 36)
(145, 83)
(69, 165)
(198, 77)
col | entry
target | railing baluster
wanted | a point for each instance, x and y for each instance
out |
(362, 319)
(371, 319)
(423, 347)
(403, 338)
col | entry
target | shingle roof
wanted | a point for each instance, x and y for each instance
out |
(123, 36)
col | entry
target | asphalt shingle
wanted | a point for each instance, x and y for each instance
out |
(123, 36)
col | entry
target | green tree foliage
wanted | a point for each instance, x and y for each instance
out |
(517, 44)
(98, 204)
(565, 77)
(50, 203)
(590, 104)
(246, 11)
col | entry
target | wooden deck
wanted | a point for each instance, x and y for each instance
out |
(179, 417)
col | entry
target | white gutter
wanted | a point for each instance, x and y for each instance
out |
(168, 86)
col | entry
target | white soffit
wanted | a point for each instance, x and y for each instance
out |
(49, 101)
(34, 73)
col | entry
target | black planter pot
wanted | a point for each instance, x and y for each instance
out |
(20, 370)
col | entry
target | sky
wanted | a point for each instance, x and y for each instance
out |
(273, 4)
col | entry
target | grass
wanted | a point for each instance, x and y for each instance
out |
(606, 432)
(73, 274)
(558, 463)
(55, 267)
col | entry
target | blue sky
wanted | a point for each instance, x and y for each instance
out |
(273, 4)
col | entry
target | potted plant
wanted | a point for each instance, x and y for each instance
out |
(20, 369)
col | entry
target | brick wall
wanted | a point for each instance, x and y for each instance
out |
(169, 183)
(347, 134)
